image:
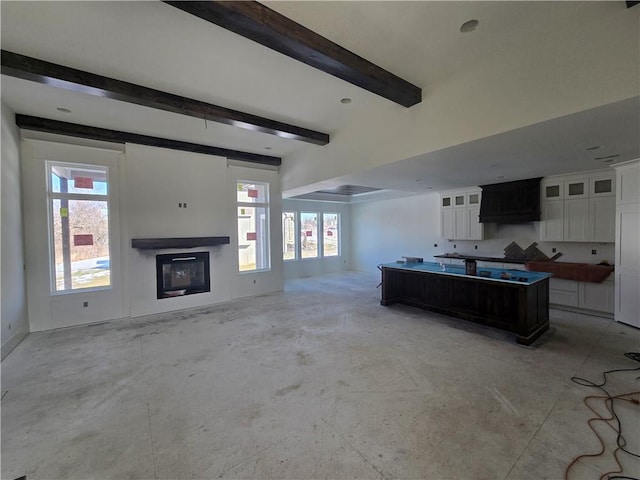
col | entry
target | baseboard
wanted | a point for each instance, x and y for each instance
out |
(12, 343)
(584, 311)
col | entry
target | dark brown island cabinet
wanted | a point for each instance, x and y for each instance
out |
(512, 300)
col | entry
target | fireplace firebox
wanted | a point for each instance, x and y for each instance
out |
(182, 274)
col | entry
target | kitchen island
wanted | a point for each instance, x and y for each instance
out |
(516, 301)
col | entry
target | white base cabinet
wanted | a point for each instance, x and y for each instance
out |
(588, 296)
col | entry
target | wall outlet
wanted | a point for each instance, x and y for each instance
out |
(475, 246)
(85, 304)
(455, 246)
(553, 250)
(594, 252)
(435, 245)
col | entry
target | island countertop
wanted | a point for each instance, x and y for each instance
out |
(518, 277)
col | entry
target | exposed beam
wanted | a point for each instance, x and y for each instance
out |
(33, 69)
(75, 130)
(271, 29)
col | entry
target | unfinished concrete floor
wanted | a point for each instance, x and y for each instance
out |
(317, 382)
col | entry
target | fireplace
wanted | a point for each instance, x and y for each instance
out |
(182, 274)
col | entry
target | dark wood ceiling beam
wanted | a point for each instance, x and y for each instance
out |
(273, 30)
(102, 134)
(47, 73)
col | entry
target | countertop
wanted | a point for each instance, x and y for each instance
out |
(518, 277)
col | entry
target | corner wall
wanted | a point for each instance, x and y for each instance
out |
(308, 267)
(385, 231)
(15, 325)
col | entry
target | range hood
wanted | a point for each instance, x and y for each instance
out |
(511, 202)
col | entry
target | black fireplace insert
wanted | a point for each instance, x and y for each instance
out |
(182, 274)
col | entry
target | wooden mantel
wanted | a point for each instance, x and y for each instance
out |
(176, 242)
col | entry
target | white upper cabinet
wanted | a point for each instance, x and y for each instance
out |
(602, 185)
(460, 215)
(552, 224)
(578, 207)
(552, 190)
(576, 188)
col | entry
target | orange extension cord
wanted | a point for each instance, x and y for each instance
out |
(626, 397)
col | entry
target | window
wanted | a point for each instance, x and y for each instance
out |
(253, 226)
(308, 235)
(289, 236)
(78, 197)
(331, 237)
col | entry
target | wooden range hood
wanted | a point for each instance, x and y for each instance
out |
(511, 202)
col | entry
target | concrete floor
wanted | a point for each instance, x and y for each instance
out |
(317, 382)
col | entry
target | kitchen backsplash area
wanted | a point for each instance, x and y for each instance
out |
(499, 236)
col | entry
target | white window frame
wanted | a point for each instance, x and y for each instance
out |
(339, 231)
(266, 227)
(296, 240)
(318, 230)
(51, 196)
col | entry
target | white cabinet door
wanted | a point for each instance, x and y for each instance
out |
(475, 229)
(578, 188)
(576, 219)
(449, 223)
(552, 190)
(628, 180)
(602, 185)
(552, 224)
(627, 285)
(596, 296)
(563, 292)
(602, 219)
(461, 231)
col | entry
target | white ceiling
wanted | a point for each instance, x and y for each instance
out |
(159, 46)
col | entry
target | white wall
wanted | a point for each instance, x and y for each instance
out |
(146, 186)
(387, 230)
(317, 266)
(156, 180)
(47, 310)
(590, 62)
(13, 287)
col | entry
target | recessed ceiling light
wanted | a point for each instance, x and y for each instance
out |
(493, 165)
(64, 110)
(595, 147)
(345, 100)
(469, 26)
(501, 176)
(267, 148)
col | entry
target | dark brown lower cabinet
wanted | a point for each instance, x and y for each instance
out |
(516, 307)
